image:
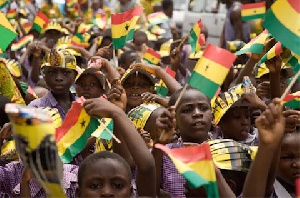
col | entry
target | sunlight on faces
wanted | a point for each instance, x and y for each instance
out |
(89, 87)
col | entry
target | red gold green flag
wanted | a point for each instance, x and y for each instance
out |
(256, 45)
(11, 14)
(40, 22)
(253, 11)
(7, 32)
(196, 38)
(211, 70)
(3, 3)
(27, 27)
(161, 87)
(283, 22)
(71, 3)
(151, 56)
(123, 26)
(22, 42)
(294, 62)
(196, 165)
(292, 100)
(274, 51)
(78, 40)
(157, 18)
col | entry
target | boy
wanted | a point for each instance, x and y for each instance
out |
(59, 70)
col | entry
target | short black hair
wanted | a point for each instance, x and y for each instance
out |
(4, 118)
(98, 156)
(139, 33)
(176, 94)
(238, 177)
(165, 4)
(124, 55)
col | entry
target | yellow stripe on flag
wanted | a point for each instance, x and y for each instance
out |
(248, 12)
(39, 22)
(123, 29)
(205, 169)
(5, 23)
(69, 138)
(287, 15)
(211, 70)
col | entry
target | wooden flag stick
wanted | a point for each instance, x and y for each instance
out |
(182, 41)
(109, 131)
(180, 96)
(290, 85)
(109, 45)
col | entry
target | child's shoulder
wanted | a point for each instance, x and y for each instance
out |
(44, 101)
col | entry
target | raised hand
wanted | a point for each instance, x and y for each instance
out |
(117, 94)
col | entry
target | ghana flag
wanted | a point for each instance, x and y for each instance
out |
(151, 56)
(72, 135)
(157, 18)
(7, 32)
(196, 38)
(22, 42)
(27, 27)
(256, 45)
(294, 62)
(100, 20)
(11, 14)
(40, 22)
(274, 51)
(292, 100)
(283, 22)
(123, 26)
(78, 41)
(211, 70)
(105, 129)
(196, 166)
(161, 87)
(253, 11)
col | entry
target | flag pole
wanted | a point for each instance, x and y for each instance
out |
(290, 85)
(109, 131)
(115, 58)
(180, 96)
(182, 41)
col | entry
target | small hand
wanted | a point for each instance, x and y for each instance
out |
(146, 137)
(117, 94)
(175, 57)
(292, 119)
(274, 64)
(262, 90)
(148, 67)
(100, 107)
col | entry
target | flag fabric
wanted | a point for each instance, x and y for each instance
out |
(11, 14)
(157, 18)
(151, 56)
(40, 22)
(196, 38)
(22, 42)
(283, 21)
(72, 135)
(71, 3)
(294, 62)
(292, 100)
(155, 29)
(253, 11)
(6, 31)
(123, 26)
(196, 165)
(3, 3)
(78, 41)
(274, 51)
(100, 20)
(27, 27)
(31, 91)
(256, 45)
(211, 70)
(161, 87)
(105, 129)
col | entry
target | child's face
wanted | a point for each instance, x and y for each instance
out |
(289, 164)
(139, 42)
(135, 86)
(105, 178)
(193, 116)
(129, 60)
(89, 87)
(235, 124)
(59, 80)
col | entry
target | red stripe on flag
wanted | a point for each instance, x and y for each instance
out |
(219, 55)
(200, 24)
(153, 53)
(43, 17)
(253, 5)
(74, 114)
(295, 4)
(278, 48)
(171, 72)
(189, 154)
(126, 16)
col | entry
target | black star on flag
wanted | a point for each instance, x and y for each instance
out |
(126, 27)
(82, 123)
(206, 68)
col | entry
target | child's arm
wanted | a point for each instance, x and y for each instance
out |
(274, 65)
(171, 83)
(223, 188)
(271, 126)
(133, 141)
(24, 184)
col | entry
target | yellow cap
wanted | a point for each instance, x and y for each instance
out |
(60, 58)
(14, 67)
(53, 26)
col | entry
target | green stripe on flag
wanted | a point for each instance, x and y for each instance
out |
(254, 48)
(294, 104)
(203, 84)
(120, 42)
(281, 33)
(77, 146)
(7, 37)
(193, 40)
(250, 17)
(36, 27)
(212, 189)
(105, 134)
(162, 91)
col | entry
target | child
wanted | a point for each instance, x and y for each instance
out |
(130, 142)
(193, 122)
(126, 59)
(59, 70)
(91, 84)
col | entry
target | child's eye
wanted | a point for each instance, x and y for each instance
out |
(187, 110)
(67, 72)
(95, 186)
(204, 108)
(51, 72)
(118, 185)
(93, 84)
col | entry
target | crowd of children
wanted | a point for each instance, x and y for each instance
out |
(72, 58)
